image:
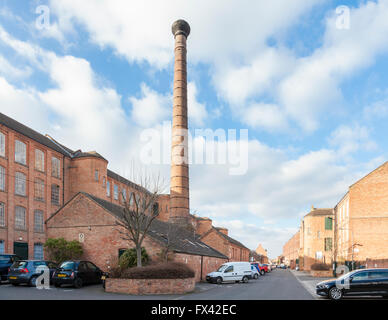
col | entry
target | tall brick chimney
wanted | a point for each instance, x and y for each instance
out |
(179, 185)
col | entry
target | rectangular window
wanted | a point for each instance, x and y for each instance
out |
(2, 178)
(38, 251)
(116, 191)
(108, 188)
(20, 152)
(318, 234)
(38, 221)
(124, 193)
(2, 214)
(55, 167)
(39, 160)
(55, 194)
(96, 175)
(2, 144)
(328, 223)
(20, 184)
(20, 218)
(2, 246)
(328, 244)
(39, 189)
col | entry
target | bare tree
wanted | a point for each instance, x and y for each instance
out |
(140, 209)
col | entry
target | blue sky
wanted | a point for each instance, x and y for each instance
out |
(313, 96)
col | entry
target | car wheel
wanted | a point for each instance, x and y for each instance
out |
(245, 279)
(219, 280)
(262, 272)
(32, 282)
(78, 283)
(256, 276)
(335, 293)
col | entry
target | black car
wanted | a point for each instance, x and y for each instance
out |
(27, 271)
(6, 261)
(360, 282)
(77, 273)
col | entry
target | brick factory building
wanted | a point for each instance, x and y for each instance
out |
(262, 252)
(291, 251)
(362, 220)
(40, 177)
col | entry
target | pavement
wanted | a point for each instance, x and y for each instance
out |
(277, 285)
(309, 282)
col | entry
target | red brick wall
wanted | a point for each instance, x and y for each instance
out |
(102, 240)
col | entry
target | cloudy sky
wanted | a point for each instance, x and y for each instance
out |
(311, 89)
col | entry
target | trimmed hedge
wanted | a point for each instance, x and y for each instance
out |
(320, 267)
(168, 270)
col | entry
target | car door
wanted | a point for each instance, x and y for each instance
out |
(360, 284)
(94, 273)
(52, 267)
(83, 272)
(380, 281)
(229, 274)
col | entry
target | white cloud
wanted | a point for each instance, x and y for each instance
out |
(196, 111)
(351, 139)
(266, 116)
(12, 72)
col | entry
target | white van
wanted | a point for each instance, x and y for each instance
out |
(231, 271)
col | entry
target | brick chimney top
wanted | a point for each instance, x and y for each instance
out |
(181, 27)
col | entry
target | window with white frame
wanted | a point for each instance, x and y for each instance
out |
(39, 160)
(2, 178)
(2, 246)
(20, 218)
(38, 251)
(55, 167)
(55, 194)
(2, 214)
(2, 144)
(116, 191)
(39, 189)
(38, 221)
(20, 184)
(108, 188)
(20, 152)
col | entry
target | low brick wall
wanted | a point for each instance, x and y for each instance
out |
(322, 273)
(150, 286)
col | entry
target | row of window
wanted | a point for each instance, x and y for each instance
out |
(39, 187)
(21, 157)
(38, 250)
(116, 194)
(20, 218)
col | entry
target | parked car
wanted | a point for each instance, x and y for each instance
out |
(259, 268)
(255, 272)
(267, 268)
(231, 271)
(77, 273)
(6, 261)
(363, 282)
(27, 271)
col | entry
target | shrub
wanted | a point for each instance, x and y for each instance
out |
(320, 267)
(60, 250)
(129, 258)
(167, 270)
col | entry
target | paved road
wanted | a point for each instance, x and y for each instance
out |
(277, 285)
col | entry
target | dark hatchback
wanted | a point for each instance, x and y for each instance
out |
(361, 282)
(27, 271)
(6, 261)
(77, 273)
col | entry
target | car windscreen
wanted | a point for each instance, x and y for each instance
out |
(222, 268)
(67, 265)
(19, 265)
(39, 263)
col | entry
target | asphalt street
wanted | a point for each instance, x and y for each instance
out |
(277, 285)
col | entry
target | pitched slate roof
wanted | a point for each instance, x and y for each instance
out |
(32, 134)
(230, 239)
(182, 241)
(320, 212)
